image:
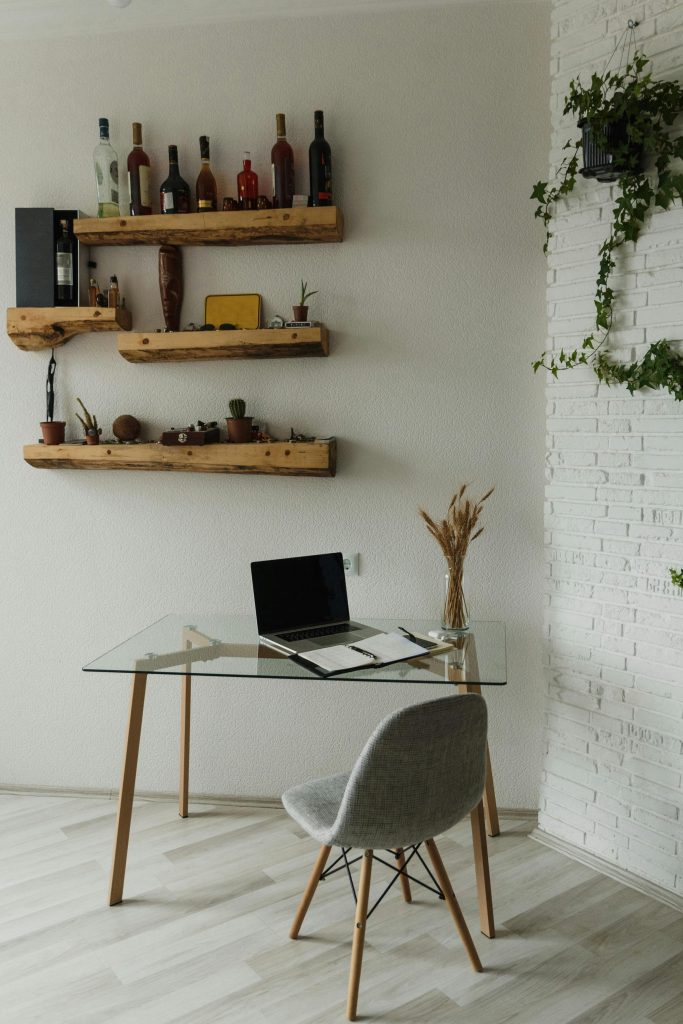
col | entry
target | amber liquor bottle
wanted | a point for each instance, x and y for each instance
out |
(174, 193)
(320, 165)
(139, 176)
(207, 195)
(282, 165)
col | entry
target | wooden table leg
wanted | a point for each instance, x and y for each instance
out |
(490, 806)
(481, 869)
(185, 700)
(127, 790)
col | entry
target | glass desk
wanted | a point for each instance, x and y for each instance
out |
(228, 646)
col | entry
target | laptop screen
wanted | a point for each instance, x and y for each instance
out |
(290, 593)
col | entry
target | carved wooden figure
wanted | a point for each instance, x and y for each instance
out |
(171, 284)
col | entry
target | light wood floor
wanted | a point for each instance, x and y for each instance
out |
(202, 935)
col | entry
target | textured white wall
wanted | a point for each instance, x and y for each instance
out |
(435, 304)
(612, 772)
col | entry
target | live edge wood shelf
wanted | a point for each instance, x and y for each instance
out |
(284, 458)
(35, 328)
(180, 346)
(239, 227)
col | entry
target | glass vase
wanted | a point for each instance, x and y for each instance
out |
(456, 617)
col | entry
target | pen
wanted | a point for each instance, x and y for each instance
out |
(359, 650)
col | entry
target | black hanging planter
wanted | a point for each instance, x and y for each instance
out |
(599, 161)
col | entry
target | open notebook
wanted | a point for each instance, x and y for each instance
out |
(381, 649)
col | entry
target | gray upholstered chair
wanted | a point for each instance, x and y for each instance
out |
(421, 771)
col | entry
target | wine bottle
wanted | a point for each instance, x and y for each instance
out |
(247, 184)
(64, 266)
(139, 176)
(207, 195)
(174, 193)
(282, 166)
(320, 165)
(106, 174)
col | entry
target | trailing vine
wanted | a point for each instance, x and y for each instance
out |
(677, 577)
(628, 113)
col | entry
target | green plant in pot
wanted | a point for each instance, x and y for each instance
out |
(301, 311)
(239, 425)
(625, 118)
(89, 424)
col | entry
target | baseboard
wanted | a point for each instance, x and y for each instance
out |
(606, 867)
(199, 798)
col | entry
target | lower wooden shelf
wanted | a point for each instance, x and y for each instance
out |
(301, 458)
(35, 328)
(265, 343)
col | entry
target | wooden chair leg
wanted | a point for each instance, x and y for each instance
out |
(403, 879)
(453, 906)
(481, 870)
(309, 891)
(359, 934)
(490, 805)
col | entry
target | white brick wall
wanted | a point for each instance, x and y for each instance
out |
(613, 772)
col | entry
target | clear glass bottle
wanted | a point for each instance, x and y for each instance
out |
(247, 184)
(106, 174)
(64, 266)
(139, 176)
(207, 195)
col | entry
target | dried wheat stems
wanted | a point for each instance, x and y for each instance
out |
(453, 535)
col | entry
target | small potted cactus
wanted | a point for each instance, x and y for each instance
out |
(301, 311)
(89, 424)
(239, 425)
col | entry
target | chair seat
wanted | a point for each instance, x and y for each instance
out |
(315, 805)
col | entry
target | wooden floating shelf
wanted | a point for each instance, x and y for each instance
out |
(35, 328)
(239, 227)
(180, 346)
(303, 458)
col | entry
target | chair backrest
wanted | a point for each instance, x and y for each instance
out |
(420, 772)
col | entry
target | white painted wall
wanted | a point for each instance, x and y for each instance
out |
(435, 303)
(612, 771)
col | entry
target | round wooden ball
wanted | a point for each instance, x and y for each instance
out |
(126, 428)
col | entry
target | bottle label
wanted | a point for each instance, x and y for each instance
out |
(65, 273)
(167, 204)
(205, 204)
(145, 191)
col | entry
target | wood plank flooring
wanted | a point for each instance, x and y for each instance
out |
(201, 937)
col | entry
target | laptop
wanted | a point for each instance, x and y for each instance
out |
(301, 603)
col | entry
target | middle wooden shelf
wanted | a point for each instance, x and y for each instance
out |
(263, 343)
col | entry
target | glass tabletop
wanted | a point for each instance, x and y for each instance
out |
(228, 645)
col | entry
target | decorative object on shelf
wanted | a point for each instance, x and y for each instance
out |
(454, 535)
(677, 577)
(171, 285)
(89, 423)
(263, 203)
(242, 311)
(106, 174)
(203, 433)
(52, 430)
(626, 117)
(239, 425)
(301, 311)
(230, 204)
(126, 428)
(113, 293)
(276, 322)
(298, 438)
(247, 184)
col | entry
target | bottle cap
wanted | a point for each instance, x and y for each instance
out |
(137, 133)
(104, 127)
(173, 154)
(246, 155)
(280, 125)
(204, 146)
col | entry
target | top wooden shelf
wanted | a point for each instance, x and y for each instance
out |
(239, 227)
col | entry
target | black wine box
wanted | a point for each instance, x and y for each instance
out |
(36, 230)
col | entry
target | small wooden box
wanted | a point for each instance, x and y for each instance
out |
(186, 436)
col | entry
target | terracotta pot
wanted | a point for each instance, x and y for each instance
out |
(92, 438)
(53, 431)
(300, 312)
(239, 431)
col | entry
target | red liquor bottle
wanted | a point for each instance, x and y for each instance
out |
(247, 185)
(282, 164)
(139, 176)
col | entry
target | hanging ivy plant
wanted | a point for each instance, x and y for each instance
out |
(625, 117)
(677, 577)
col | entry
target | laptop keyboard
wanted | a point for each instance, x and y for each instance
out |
(306, 634)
